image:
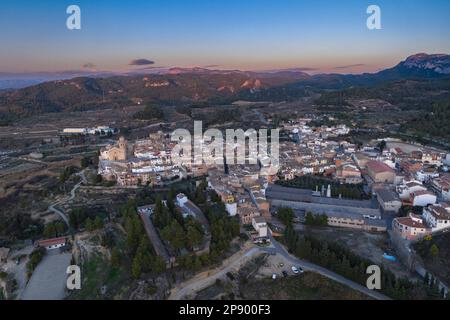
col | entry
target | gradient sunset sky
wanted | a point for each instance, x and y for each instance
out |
(316, 36)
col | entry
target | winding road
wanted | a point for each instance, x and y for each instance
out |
(206, 279)
(72, 193)
(307, 266)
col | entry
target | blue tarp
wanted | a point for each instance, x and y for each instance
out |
(390, 258)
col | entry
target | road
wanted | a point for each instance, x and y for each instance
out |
(72, 193)
(307, 266)
(206, 279)
(19, 270)
(261, 117)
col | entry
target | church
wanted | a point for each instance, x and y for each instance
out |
(115, 152)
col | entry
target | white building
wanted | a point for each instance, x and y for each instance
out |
(75, 130)
(447, 160)
(437, 217)
(182, 199)
(446, 194)
(51, 244)
(260, 225)
(388, 200)
(231, 208)
(442, 186)
(426, 176)
(423, 198)
(102, 130)
(405, 190)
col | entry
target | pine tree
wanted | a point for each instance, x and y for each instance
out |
(98, 223)
(89, 225)
(115, 257)
(136, 269)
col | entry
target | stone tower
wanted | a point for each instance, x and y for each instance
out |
(123, 148)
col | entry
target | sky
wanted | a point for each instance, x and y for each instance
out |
(312, 35)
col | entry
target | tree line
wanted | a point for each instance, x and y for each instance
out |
(341, 260)
(347, 191)
(137, 246)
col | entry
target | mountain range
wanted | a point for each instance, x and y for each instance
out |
(202, 85)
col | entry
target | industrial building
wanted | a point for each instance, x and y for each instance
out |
(358, 214)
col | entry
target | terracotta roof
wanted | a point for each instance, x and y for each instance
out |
(407, 221)
(440, 213)
(422, 192)
(52, 242)
(414, 184)
(378, 167)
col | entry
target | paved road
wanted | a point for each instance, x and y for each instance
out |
(200, 282)
(72, 193)
(59, 213)
(207, 278)
(307, 266)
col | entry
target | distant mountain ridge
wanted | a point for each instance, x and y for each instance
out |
(202, 85)
(438, 63)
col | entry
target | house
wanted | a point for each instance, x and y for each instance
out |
(389, 200)
(348, 173)
(422, 198)
(51, 244)
(442, 186)
(361, 159)
(411, 228)
(380, 172)
(437, 217)
(231, 208)
(410, 167)
(427, 174)
(447, 160)
(247, 213)
(260, 225)
(405, 190)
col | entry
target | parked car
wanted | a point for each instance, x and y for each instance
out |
(274, 276)
(295, 270)
(300, 269)
(285, 274)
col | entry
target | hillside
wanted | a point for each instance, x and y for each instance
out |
(409, 83)
(91, 93)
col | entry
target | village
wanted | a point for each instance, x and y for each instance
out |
(385, 187)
